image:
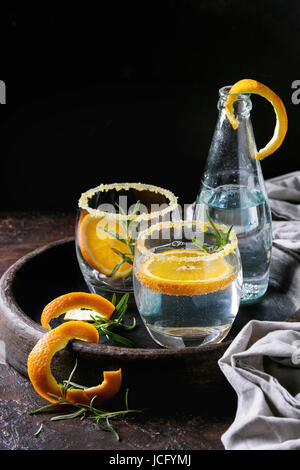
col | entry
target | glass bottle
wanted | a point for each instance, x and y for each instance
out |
(233, 192)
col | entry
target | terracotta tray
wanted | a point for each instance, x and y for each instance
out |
(152, 374)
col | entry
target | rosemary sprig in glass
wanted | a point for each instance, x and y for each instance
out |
(84, 411)
(105, 326)
(220, 240)
(127, 239)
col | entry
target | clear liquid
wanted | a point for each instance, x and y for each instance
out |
(188, 320)
(249, 213)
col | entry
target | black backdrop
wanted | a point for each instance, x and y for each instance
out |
(128, 92)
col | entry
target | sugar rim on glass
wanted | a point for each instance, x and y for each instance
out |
(203, 226)
(83, 202)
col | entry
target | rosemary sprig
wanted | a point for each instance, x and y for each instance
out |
(38, 431)
(128, 240)
(104, 326)
(220, 240)
(83, 411)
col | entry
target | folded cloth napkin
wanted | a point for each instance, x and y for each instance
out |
(262, 365)
(284, 196)
(263, 361)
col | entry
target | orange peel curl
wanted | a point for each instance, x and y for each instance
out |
(76, 300)
(39, 366)
(252, 86)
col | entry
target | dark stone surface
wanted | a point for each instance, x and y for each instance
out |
(189, 408)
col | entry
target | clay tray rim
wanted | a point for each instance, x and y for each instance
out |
(21, 321)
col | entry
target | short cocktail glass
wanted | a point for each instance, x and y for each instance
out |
(109, 218)
(187, 287)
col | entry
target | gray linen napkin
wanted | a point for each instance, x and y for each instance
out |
(263, 362)
(268, 414)
(284, 195)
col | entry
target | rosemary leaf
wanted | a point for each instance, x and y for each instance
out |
(74, 385)
(124, 299)
(114, 234)
(220, 240)
(127, 258)
(66, 385)
(120, 209)
(128, 327)
(75, 414)
(114, 299)
(116, 268)
(218, 235)
(136, 208)
(210, 234)
(38, 431)
(201, 245)
(118, 338)
(228, 233)
(111, 429)
(126, 399)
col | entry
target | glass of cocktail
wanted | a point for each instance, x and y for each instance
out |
(109, 218)
(187, 282)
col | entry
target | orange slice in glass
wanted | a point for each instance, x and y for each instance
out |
(252, 86)
(175, 272)
(97, 246)
(39, 366)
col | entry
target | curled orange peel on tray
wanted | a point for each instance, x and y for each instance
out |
(252, 86)
(76, 300)
(39, 366)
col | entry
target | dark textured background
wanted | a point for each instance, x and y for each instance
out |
(128, 92)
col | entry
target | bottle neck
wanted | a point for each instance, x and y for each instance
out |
(242, 105)
(231, 159)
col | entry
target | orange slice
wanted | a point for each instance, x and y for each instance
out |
(97, 246)
(175, 272)
(76, 300)
(252, 86)
(39, 365)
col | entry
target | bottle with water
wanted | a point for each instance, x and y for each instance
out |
(233, 193)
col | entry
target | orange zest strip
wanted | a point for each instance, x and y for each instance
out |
(252, 86)
(76, 300)
(39, 365)
(104, 392)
